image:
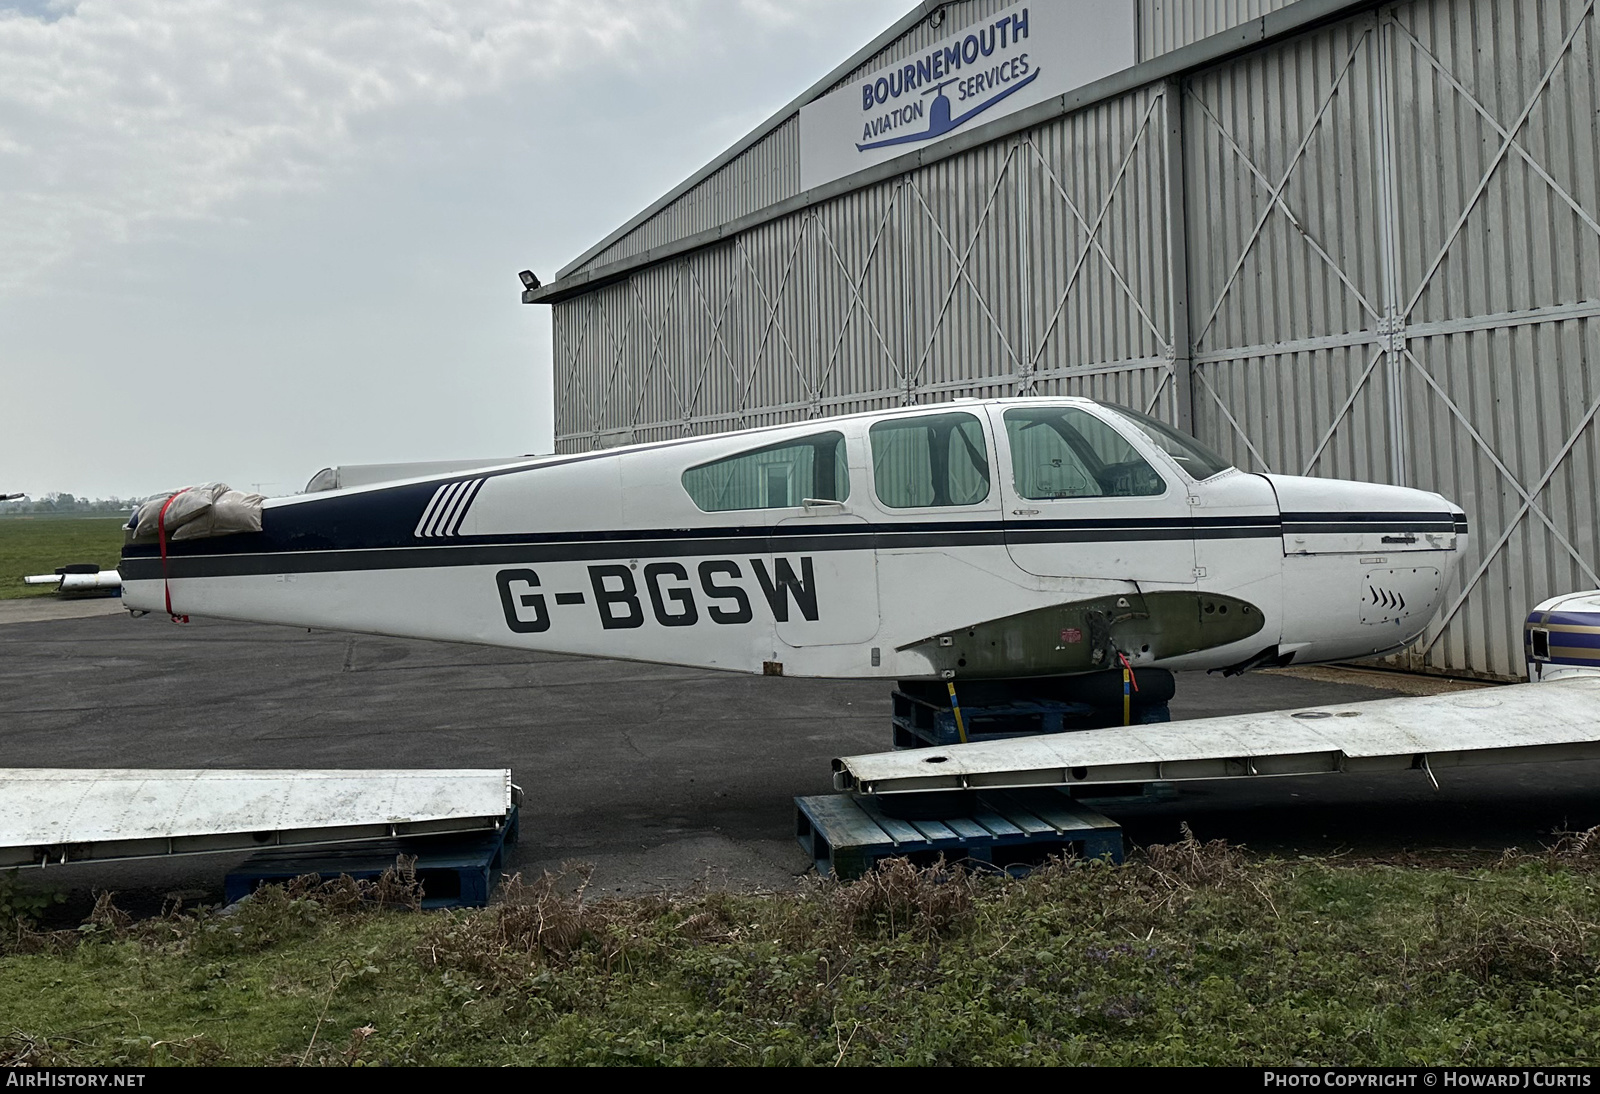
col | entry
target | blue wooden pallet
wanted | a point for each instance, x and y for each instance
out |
(920, 724)
(458, 871)
(1013, 830)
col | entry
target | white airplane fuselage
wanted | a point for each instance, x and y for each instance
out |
(993, 539)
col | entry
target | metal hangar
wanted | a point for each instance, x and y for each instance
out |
(1328, 237)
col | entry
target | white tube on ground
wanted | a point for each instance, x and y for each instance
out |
(105, 579)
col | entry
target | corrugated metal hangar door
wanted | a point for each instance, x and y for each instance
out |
(1037, 264)
(1394, 263)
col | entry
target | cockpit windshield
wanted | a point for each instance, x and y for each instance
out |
(1197, 461)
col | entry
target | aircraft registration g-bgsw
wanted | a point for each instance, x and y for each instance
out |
(999, 539)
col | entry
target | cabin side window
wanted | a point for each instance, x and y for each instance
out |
(1065, 452)
(781, 476)
(930, 460)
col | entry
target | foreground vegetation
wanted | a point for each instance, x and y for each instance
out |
(37, 545)
(1194, 954)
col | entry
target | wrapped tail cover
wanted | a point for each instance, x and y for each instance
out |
(200, 512)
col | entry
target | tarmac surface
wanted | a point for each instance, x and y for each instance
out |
(658, 777)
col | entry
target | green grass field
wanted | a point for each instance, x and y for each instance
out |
(37, 545)
(1193, 954)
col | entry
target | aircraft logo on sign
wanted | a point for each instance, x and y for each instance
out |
(1004, 70)
(1007, 61)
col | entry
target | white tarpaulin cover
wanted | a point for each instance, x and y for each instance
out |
(210, 509)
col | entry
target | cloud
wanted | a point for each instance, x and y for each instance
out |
(244, 239)
(118, 117)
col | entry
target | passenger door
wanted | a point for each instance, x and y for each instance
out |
(938, 520)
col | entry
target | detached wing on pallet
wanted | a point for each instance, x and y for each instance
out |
(1518, 724)
(51, 816)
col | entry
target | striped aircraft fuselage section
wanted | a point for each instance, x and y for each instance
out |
(1562, 637)
(848, 547)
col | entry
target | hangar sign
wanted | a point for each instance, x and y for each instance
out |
(1020, 56)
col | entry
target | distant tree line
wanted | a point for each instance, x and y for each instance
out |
(66, 505)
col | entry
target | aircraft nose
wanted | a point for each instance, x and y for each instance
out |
(1365, 564)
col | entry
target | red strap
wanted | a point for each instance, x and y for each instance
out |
(1134, 680)
(161, 532)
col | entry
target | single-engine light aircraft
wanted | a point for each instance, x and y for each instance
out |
(973, 540)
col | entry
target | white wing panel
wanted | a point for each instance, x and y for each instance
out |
(1525, 722)
(49, 807)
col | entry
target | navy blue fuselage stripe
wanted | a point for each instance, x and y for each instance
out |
(1337, 524)
(1572, 640)
(233, 556)
(849, 536)
(568, 547)
(1108, 529)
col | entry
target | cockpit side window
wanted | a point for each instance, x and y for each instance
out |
(780, 476)
(1066, 452)
(930, 460)
(1197, 461)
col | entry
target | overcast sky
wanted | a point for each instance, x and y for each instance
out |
(242, 240)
